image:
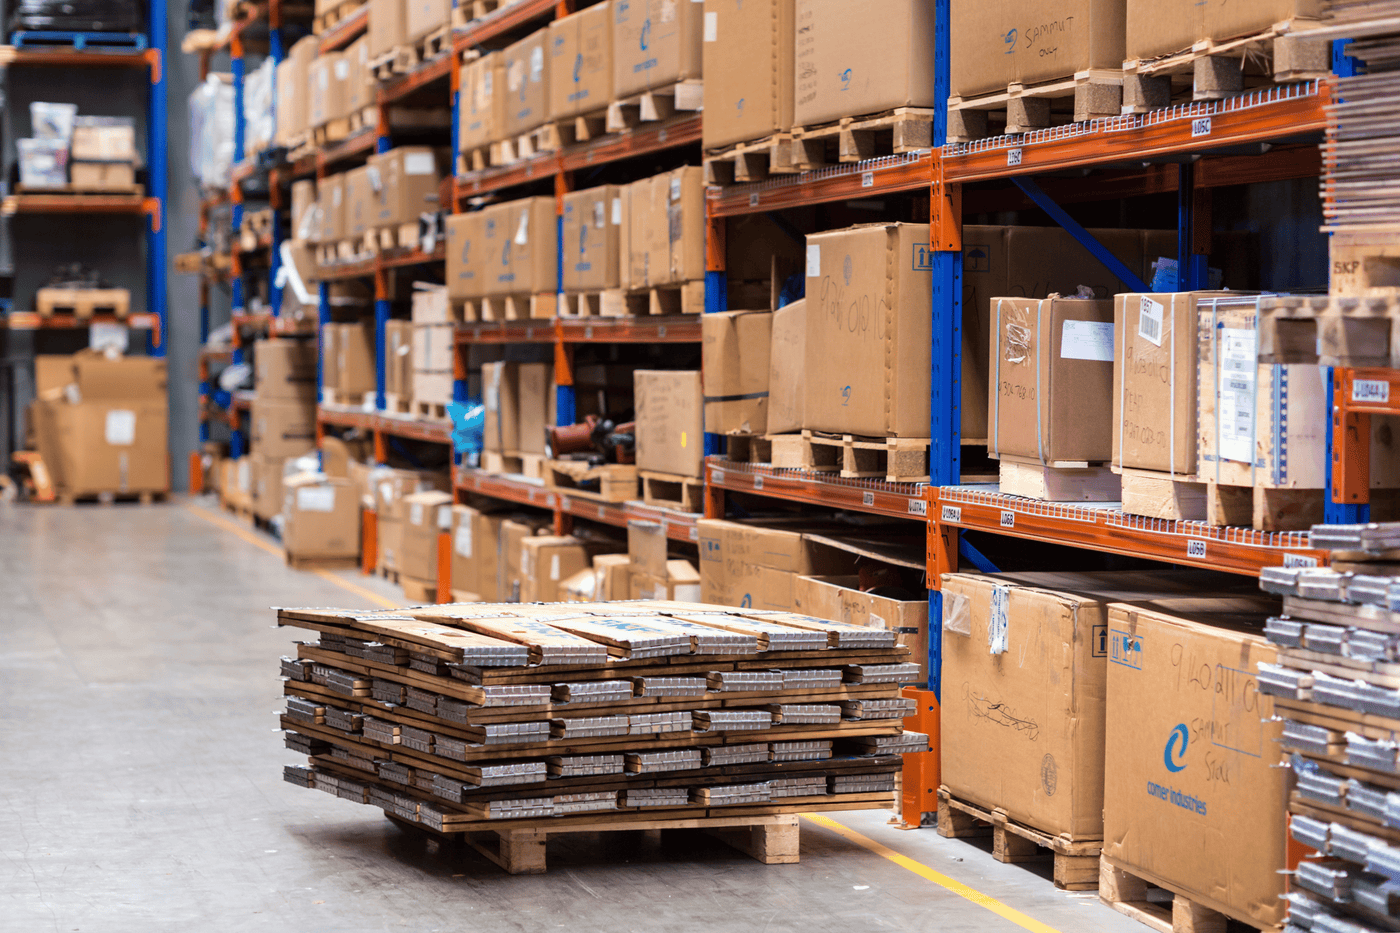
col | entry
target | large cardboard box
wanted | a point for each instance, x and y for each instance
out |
(520, 247)
(426, 515)
(1051, 366)
(403, 184)
(283, 429)
(267, 485)
(125, 377)
(1033, 262)
(1025, 665)
(787, 389)
(869, 332)
(840, 599)
(535, 397)
(330, 203)
(486, 533)
(614, 577)
(670, 422)
(422, 17)
(755, 564)
(398, 359)
(293, 82)
(321, 516)
(304, 224)
(354, 365)
(646, 547)
(581, 62)
(656, 43)
(513, 533)
(500, 394)
(387, 26)
(473, 552)
(592, 229)
(680, 583)
(285, 370)
(854, 59)
(1033, 41)
(481, 117)
(735, 354)
(527, 84)
(104, 445)
(748, 67)
(430, 304)
(432, 347)
(1194, 799)
(665, 233)
(466, 257)
(546, 562)
(359, 203)
(329, 77)
(360, 84)
(1154, 29)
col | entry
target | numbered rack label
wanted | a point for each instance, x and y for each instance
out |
(1008, 518)
(951, 513)
(1370, 390)
(918, 507)
(1299, 560)
(1200, 127)
(867, 499)
(1196, 548)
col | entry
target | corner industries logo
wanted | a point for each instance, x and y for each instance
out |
(1175, 752)
(1174, 759)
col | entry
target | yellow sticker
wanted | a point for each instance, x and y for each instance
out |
(682, 439)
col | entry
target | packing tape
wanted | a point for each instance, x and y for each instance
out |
(1040, 393)
(996, 395)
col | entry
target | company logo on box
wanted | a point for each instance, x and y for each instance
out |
(1125, 648)
(1173, 756)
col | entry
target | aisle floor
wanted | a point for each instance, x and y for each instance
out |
(141, 787)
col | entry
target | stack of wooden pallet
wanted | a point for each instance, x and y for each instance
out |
(532, 720)
(1337, 688)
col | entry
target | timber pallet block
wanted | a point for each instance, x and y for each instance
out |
(672, 491)
(1154, 494)
(62, 497)
(893, 459)
(475, 159)
(240, 510)
(751, 161)
(1127, 894)
(346, 401)
(1076, 861)
(669, 299)
(1212, 70)
(513, 463)
(856, 139)
(1085, 95)
(571, 131)
(749, 448)
(82, 302)
(325, 21)
(364, 119)
(396, 404)
(332, 131)
(526, 145)
(1062, 481)
(655, 105)
(323, 563)
(1339, 331)
(1264, 508)
(424, 410)
(1365, 263)
(591, 303)
(418, 591)
(605, 482)
(520, 307)
(480, 8)
(396, 61)
(772, 840)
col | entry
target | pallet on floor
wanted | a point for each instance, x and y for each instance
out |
(655, 105)
(62, 497)
(672, 491)
(322, 563)
(342, 11)
(1212, 70)
(1076, 860)
(855, 139)
(893, 459)
(670, 299)
(1022, 108)
(1067, 481)
(1127, 894)
(751, 161)
(418, 591)
(772, 840)
(239, 510)
(606, 482)
(513, 463)
(82, 302)
(748, 448)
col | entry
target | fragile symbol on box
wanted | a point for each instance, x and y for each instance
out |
(952, 513)
(923, 258)
(1370, 390)
(1200, 127)
(1008, 518)
(1125, 648)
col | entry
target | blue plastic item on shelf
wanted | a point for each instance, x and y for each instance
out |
(60, 40)
(468, 424)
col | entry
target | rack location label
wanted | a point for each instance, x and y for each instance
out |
(1370, 390)
(867, 498)
(1008, 518)
(1013, 156)
(918, 507)
(1200, 127)
(952, 513)
(1196, 548)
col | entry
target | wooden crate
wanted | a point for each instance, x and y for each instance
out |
(1076, 861)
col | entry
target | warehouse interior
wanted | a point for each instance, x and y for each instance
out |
(791, 464)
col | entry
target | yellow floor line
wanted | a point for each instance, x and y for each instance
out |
(923, 871)
(237, 529)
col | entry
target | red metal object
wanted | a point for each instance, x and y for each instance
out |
(444, 568)
(1351, 429)
(196, 472)
(842, 183)
(898, 500)
(922, 770)
(346, 31)
(369, 540)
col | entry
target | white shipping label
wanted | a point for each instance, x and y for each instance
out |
(244, 478)
(996, 622)
(121, 427)
(415, 513)
(617, 212)
(814, 260)
(554, 567)
(376, 181)
(1235, 393)
(675, 189)
(600, 214)
(323, 77)
(668, 11)
(444, 518)
(522, 232)
(342, 69)
(1150, 321)
(536, 65)
(316, 499)
(1087, 340)
(711, 26)
(462, 540)
(418, 163)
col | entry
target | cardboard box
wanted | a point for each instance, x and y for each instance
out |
(614, 577)
(513, 534)
(1194, 800)
(490, 561)
(436, 388)
(1033, 262)
(267, 485)
(481, 116)
(359, 84)
(582, 587)
(500, 393)
(359, 203)
(1051, 365)
(646, 547)
(755, 564)
(1154, 29)
(104, 139)
(787, 389)
(670, 424)
(546, 562)
(426, 515)
(392, 486)
(748, 66)
(432, 347)
(840, 599)
(398, 359)
(104, 445)
(520, 247)
(293, 84)
(403, 183)
(321, 516)
(387, 26)
(305, 223)
(283, 428)
(470, 559)
(735, 369)
(354, 366)
(526, 99)
(1026, 656)
(422, 17)
(329, 338)
(581, 62)
(330, 203)
(854, 59)
(105, 176)
(125, 377)
(535, 391)
(680, 583)
(1031, 42)
(465, 255)
(656, 43)
(869, 334)
(592, 237)
(329, 77)
(285, 370)
(665, 234)
(430, 304)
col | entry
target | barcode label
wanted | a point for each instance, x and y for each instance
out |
(1370, 390)
(661, 332)
(918, 507)
(1200, 127)
(952, 513)
(1008, 518)
(1013, 156)
(718, 477)
(1150, 321)
(1196, 549)
(867, 498)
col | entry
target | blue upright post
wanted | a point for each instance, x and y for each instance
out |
(236, 69)
(274, 294)
(1193, 271)
(323, 318)
(383, 310)
(156, 140)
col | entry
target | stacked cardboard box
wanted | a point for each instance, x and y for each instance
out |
(670, 422)
(398, 365)
(481, 113)
(347, 364)
(433, 348)
(425, 515)
(593, 223)
(401, 185)
(652, 572)
(391, 489)
(581, 62)
(283, 416)
(663, 242)
(519, 401)
(736, 370)
(321, 519)
(748, 65)
(103, 155)
(328, 77)
(293, 99)
(441, 716)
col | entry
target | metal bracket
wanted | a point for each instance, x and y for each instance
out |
(1127, 276)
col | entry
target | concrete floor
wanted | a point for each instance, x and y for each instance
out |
(141, 787)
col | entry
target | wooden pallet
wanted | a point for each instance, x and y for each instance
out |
(332, 131)
(1076, 860)
(345, 401)
(893, 459)
(474, 160)
(429, 411)
(590, 303)
(749, 448)
(855, 139)
(1214, 69)
(513, 463)
(1059, 482)
(323, 563)
(75, 190)
(343, 251)
(396, 404)
(608, 482)
(62, 497)
(526, 145)
(675, 298)
(751, 161)
(364, 119)
(476, 9)
(342, 11)
(241, 511)
(655, 105)
(1127, 894)
(512, 307)
(384, 239)
(418, 591)
(1365, 263)
(82, 302)
(1022, 108)
(772, 840)
(671, 491)
(1350, 332)
(396, 61)
(580, 129)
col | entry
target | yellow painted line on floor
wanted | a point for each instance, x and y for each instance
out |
(252, 538)
(938, 878)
